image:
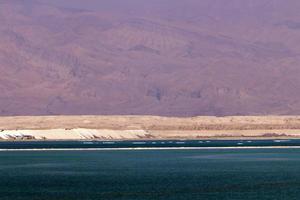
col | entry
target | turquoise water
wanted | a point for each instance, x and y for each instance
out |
(150, 174)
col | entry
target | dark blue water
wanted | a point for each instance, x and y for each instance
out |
(145, 144)
(150, 174)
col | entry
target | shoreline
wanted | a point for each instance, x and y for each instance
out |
(122, 128)
(80, 134)
(150, 148)
(166, 139)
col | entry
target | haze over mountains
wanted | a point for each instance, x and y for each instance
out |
(158, 57)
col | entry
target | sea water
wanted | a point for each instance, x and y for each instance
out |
(23, 145)
(177, 174)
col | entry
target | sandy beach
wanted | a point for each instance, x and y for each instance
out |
(147, 127)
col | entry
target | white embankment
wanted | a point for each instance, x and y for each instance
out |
(72, 134)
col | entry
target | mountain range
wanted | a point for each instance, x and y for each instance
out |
(168, 57)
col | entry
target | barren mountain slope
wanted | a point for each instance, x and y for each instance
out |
(162, 58)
